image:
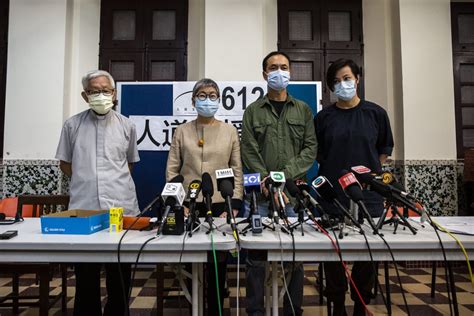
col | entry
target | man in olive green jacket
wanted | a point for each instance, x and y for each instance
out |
(277, 135)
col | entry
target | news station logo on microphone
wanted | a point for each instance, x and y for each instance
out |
(360, 169)
(318, 182)
(278, 177)
(252, 179)
(387, 178)
(224, 174)
(174, 190)
(347, 180)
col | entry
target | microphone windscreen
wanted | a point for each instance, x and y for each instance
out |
(325, 189)
(292, 188)
(397, 185)
(365, 178)
(177, 179)
(206, 185)
(226, 188)
(355, 193)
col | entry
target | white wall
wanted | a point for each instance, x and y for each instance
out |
(381, 27)
(82, 51)
(238, 34)
(196, 39)
(35, 78)
(51, 44)
(427, 67)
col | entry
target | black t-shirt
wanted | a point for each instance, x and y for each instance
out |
(278, 106)
(353, 137)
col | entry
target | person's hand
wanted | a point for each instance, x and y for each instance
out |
(223, 215)
(263, 187)
(277, 200)
(186, 211)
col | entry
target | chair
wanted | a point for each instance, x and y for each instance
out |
(42, 204)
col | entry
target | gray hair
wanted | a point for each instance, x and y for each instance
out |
(204, 83)
(95, 74)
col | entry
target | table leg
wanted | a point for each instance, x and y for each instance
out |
(195, 295)
(268, 292)
(201, 290)
(275, 287)
(453, 289)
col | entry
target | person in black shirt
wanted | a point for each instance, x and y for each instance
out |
(351, 132)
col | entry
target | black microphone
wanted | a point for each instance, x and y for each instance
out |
(353, 190)
(325, 189)
(296, 193)
(173, 195)
(226, 187)
(193, 191)
(252, 187)
(273, 212)
(363, 174)
(208, 192)
(304, 189)
(177, 179)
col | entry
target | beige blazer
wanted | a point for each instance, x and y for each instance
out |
(221, 150)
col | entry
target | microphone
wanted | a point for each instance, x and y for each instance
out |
(193, 191)
(295, 192)
(389, 179)
(397, 187)
(177, 179)
(304, 189)
(325, 189)
(226, 187)
(279, 181)
(269, 185)
(353, 190)
(173, 195)
(208, 192)
(252, 187)
(363, 174)
(226, 175)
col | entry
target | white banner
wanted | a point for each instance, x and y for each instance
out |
(155, 133)
(235, 97)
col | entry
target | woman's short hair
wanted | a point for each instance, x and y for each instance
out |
(95, 74)
(336, 66)
(204, 83)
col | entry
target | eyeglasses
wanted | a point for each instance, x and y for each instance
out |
(212, 96)
(95, 93)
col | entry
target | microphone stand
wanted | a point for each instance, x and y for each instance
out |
(397, 218)
(193, 219)
(253, 211)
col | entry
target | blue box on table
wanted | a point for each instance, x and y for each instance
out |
(75, 222)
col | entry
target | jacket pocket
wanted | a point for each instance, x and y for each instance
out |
(296, 128)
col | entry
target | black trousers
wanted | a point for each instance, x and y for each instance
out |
(87, 300)
(336, 285)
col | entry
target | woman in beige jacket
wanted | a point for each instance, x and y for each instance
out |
(206, 145)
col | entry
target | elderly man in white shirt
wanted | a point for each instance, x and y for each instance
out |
(96, 150)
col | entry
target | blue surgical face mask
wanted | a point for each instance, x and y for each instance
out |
(278, 79)
(345, 90)
(207, 107)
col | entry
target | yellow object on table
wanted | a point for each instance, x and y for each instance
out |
(116, 219)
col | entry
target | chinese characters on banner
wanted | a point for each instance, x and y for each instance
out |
(155, 133)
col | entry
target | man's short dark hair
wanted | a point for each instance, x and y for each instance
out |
(264, 62)
(336, 66)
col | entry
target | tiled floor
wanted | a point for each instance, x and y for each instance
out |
(416, 282)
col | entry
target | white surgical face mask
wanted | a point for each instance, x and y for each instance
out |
(278, 79)
(207, 107)
(101, 104)
(345, 90)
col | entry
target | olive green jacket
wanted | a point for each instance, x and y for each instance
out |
(271, 143)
